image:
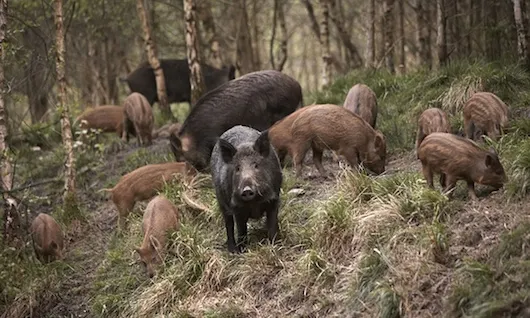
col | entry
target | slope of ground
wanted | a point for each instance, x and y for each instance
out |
(354, 245)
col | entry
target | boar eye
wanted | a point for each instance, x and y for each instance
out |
(255, 165)
(237, 168)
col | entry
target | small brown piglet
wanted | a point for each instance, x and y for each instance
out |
(457, 158)
(330, 127)
(361, 100)
(108, 118)
(137, 114)
(486, 112)
(431, 120)
(143, 184)
(160, 217)
(47, 238)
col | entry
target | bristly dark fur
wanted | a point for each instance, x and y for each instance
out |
(243, 156)
(256, 100)
(176, 73)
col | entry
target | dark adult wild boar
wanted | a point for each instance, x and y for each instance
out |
(486, 112)
(457, 158)
(143, 184)
(361, 100)
(138, 115)
(177, 76)
(321, 127)
(160, 217)
(47, 238)
(431, 120)
(256, 100)
(108, 118)
(247, 177)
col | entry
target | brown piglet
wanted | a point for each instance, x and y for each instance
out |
(486, 112)
(108, 118)
(137, 114)
(431, 120)
(457, 158)
(47, 238)
(144, 183)
(160, 217)
(327, 126)
(361, 100)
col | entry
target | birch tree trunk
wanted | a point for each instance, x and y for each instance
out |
(355, 57)
(401, 13)
(279, 16)
(521, 23)
(11, 217)
(204, 13)
(63, 109)
(325, 47)
(441, 41)
(150, 49)
(245, 53)
(192, 45)
(370, 43)
(388, 31)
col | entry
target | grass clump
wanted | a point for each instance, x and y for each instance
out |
(401, 99)
(499, 287)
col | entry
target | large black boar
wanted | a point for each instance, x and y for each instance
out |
(256, 100)
(177, 76)
(247, 177)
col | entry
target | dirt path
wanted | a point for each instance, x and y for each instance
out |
(85, 253)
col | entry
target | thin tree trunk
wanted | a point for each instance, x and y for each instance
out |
(192, 44)
(422, 33)
(279, 16)
(324, 36)
(388, 31)
(441, 42)
(150, 49)
(11, 216)
(204, 13)
(402, 63)
(370, 43)
(521, 23)
(245, 58)
(63, 108)
(343, 34)
(255, 35)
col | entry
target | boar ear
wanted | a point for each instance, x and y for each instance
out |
(262, 144)
(379, 141)
(228, 151)
(493, 151)
(489, 160)
(53, 245)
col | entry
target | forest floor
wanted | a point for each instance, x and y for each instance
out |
(355, 245)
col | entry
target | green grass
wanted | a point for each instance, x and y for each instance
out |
(362, 245)
(401, 99)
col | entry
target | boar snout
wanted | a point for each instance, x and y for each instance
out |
(248, 194)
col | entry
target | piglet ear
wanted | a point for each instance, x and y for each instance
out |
(228, 151)
(489, 160)
(262, 144)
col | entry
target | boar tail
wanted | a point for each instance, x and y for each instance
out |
(105, 189)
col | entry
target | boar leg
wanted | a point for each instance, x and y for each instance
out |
(317, 160)
(471, 190)
(469, 128)
(298, 158)
(231, 242)
(272, 221)
(138, 134)
(241, 222)
(450, 184)
(428, 174)
(442, 180)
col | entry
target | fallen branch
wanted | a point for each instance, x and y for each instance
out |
(32, 185)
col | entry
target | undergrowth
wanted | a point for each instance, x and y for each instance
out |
(358, 245)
